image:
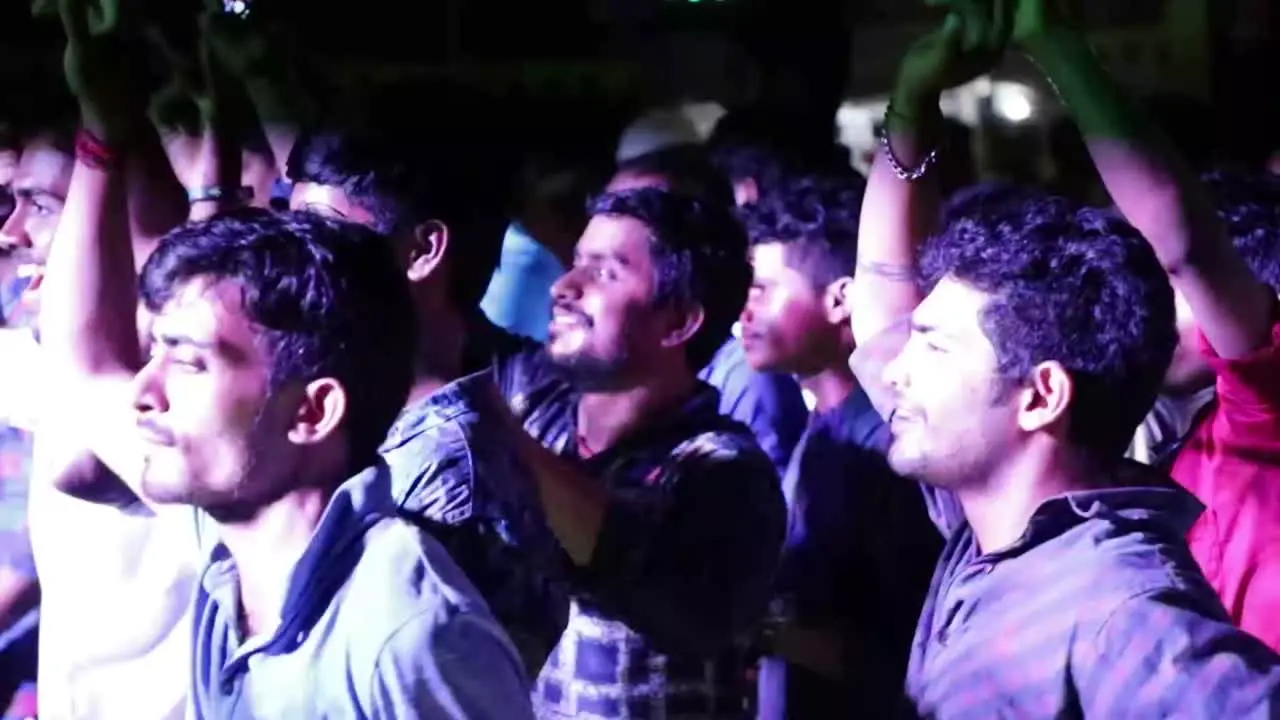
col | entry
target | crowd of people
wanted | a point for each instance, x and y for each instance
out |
(306, 419)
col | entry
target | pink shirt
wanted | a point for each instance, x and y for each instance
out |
(1231, 461)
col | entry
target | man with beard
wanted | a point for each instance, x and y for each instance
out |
(668, 515)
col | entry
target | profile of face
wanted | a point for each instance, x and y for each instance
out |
(788, 325)
(951, 423)
(214, 434)
(40, 183)
(605, 328)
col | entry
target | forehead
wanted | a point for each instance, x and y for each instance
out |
(206, 312)
(328, 200)
(616, 237)
(955, 309)
(627, 180)
(769, 257)
(44, 168)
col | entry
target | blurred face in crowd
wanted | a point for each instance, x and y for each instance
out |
(788, 324)
(605, 327)
(41, 179)
(214, 434)
(951, 422)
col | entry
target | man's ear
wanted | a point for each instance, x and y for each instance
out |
(427, 247)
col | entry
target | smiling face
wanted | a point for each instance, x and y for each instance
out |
(40, 183)
(605, 328)
(951, 421)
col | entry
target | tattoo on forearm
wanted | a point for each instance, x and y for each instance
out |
(889, 271)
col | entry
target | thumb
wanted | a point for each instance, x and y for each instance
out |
(75, 19)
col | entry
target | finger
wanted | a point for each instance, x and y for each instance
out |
(1002, 24)
(44, 8)
(108, 16)
(973, 16)
(75, 19)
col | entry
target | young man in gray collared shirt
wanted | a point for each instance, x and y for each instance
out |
(264, 401)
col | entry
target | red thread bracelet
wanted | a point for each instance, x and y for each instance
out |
(93, 151)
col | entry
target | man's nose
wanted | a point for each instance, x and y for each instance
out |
(13, 234)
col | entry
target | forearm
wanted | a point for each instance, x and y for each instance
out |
(156, 198)
(284, 109)
(898, 215)
(89, 298)
(573, 501)
(1158, 195)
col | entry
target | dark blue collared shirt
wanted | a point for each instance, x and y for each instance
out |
(683, 564)
(856, 565)
(769, 403)
(1098, 610)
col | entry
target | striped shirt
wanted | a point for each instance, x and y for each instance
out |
(1098, 610)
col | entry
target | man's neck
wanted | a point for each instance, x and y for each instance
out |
(606, 418)
(440, 353)
(1000, 508)
(830, 387)
(266, 549)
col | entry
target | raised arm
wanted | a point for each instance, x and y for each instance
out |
(900, 208)
(88, 320)
(1156, 192)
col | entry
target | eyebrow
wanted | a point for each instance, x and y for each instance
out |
(171, 340)
(604, 257)
(921, 328)
(33, 193)
(322, 208)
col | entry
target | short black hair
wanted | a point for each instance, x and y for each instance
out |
(817, 219)
(686, 169)
(1249, 206)
(330, 297)
(1078, 286)
(699, 254)
(405, 178)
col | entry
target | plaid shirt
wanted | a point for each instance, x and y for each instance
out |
(1098, 610)
(683, 564)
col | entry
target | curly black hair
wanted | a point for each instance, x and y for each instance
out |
(1249, 205)
(817, 219)
(1074, 285)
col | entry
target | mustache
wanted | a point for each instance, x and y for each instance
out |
(574, 312)
(156, 432)
(19, 255)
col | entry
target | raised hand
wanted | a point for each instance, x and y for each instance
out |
(1035, 19)
(970, 43)
(95, 64)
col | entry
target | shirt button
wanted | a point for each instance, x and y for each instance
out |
(302, 636)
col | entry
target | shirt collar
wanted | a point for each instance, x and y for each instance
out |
(329, 557)
(1135, 492)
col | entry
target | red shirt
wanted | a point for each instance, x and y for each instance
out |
(1231, 461)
